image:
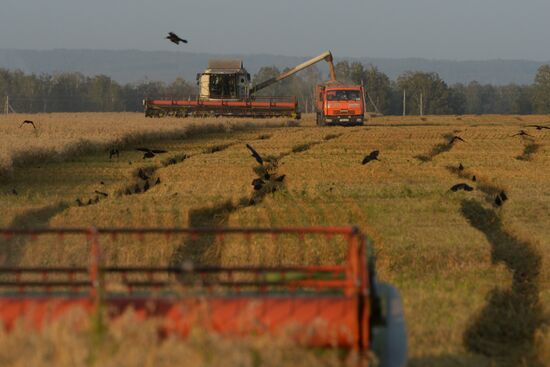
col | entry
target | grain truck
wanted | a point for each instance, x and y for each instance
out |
(338, 104)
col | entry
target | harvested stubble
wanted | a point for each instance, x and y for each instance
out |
(63, 136)
(425, 239)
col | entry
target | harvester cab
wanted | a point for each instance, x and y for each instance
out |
(224, 79)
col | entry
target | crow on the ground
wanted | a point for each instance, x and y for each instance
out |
(501, 198)
(461, 186)
(474, 178)
(373, 156)
(113, 152)
(255, 154)
(460, 167)
(150, 153)
(142, 175)
(456, 138)
(174, 38)
(258, 183)
(539, 127)
(28, 122)
(102, 183)
(104, 194)
(522, 133)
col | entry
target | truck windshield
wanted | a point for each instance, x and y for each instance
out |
(343, 95)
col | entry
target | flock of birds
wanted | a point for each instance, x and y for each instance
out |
(500, 198)
(266, 180)
(266, 177)
(146, 185)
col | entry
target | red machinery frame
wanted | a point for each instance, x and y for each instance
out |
(256, 107)
(319, 305)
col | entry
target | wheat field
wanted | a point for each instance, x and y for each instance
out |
(474, 277)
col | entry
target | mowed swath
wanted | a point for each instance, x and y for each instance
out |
(425, 240)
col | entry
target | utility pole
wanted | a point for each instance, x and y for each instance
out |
(421, 105)
(404, 102)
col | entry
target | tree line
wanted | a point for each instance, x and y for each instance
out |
(415, 88)
(74, 92)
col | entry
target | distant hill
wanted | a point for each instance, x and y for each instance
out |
(132, 65)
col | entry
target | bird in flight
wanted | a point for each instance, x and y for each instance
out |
(373, 156)
(522, 133)
(174, 38)
(29, 122)
(255, 154)
(461, 186)
(150, 153)
(456, 138)
(539, 127)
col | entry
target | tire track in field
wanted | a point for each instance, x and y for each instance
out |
(488, 189)
(206, 250)
(530, 148)
(437, 150)
(140, 186)
(12, 249)
(137, 187)
(505, 328)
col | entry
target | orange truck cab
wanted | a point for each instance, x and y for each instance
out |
(340, 104)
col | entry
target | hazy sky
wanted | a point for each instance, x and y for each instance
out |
(441, 29)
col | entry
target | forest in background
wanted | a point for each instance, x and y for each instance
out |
(75, 92)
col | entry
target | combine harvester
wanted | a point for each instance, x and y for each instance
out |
(225, 90)
(329, 305)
